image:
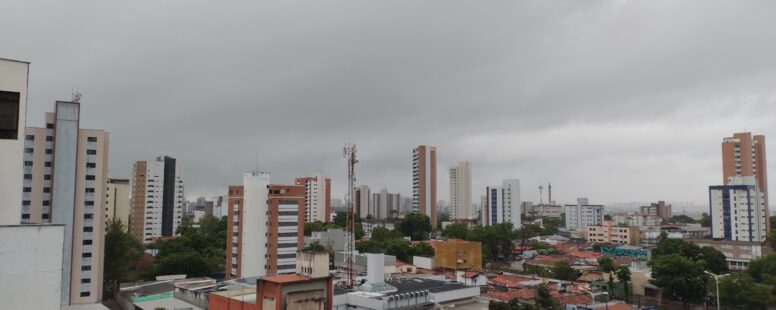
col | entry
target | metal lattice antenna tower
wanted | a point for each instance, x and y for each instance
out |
(540, 194)
(349, 152)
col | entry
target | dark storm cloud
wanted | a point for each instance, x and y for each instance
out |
(613, 100)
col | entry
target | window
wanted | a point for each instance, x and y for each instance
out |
(49, 138)
(46, 202)
(50, 126)
(88, 215)
(30, 138)
(85, 294)
(26, 216)
(91, 152)
(89, 203)
(86, 280)
(88, 229)
(91, 139)
(28, 150)
(25, 202)
(47, 164)
(47, 177)
(286, 245)
(86, 255)
(47, 189)
(49, 151)
(90, 189)
(9, 114)
(87, 242)
(90, 177)
(86, 268)
(288, 234)
(45, 216)
(27, 189)
(91, 165)
(28, 163)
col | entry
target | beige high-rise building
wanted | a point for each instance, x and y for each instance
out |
(363, 201)
(424, 181)
(156, 199)
(317, 197)
(117, 201)
(461, 191)
(65, 178)
(743, 155)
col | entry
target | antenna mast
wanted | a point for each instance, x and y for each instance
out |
(349, 152)
(540, 194)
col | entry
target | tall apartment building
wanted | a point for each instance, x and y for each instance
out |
(267, 227)
(65, 178)
(117, 200)
(36, 251)
(660, 209)
(317, 197)
(502, 204)
(424, 181)
(157, 198)
(386, 205)
(461, 191)
(744, 155)
(738, 210)
(362, 202)
(583, 214)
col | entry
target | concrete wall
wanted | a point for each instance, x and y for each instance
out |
(31, 266)
(13, 79)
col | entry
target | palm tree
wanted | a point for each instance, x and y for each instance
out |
(624, 275)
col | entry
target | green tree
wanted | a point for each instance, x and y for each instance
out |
(563, 271)
(456, 230)
(315, 247)
(311, 227)
(415, 225)
(399, 248)
(544, 299)
(121, 248)
(681, 219)
(677, 246)
(680, 278)
(713, 260)
(422, 249)
(606, 264)
(624, 275)
(705, 220)
(382, 234)
(739, 291)
(763, 269)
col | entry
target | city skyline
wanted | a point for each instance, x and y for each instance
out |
(652, 136)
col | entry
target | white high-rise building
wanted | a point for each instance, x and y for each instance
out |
(157, 198)
(583, 214)
(502, 204)
(386, 205)
(31, 266)
(738, 210)
(461, 191)
(317, 197)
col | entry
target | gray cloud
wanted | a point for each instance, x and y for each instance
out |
(612, 100)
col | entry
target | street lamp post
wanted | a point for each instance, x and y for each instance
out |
(716, 281)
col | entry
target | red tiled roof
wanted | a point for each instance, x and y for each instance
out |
(616, 307)
(585, 254)
(574, 299)
(284, 278)
(470, 274)
(508, 280)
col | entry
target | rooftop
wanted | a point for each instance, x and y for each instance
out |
(284, 278)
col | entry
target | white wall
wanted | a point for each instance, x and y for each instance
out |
(13, 79)
(31, 266)
(423, 262)
(254, 224)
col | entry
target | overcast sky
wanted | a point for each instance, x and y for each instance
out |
(611, 100)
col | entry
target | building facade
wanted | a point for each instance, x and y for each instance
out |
(502, 204)
(117, 201)
(65, 178)
(457, 254)
(743, 155)
(386, 205)
(738, 210)
(317, 197)
(609, 232)
(424, 181)
(156, 198)
(266, 225)
(738, 254)
(643, 221)
(461, 191)
(660, 209)
(363, 201)
(583, 214)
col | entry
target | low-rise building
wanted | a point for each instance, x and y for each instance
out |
(645, 222)
(457, 254)
(738, 254)
(333, 239)
(610, 233)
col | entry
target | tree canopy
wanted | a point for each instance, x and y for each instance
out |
(198, 251)
(415, 225)
(121, 248)
(456, 230)
(680, 278)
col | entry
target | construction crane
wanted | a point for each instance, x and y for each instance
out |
(349, 152)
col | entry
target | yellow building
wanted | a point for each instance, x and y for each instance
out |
(457, 254)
